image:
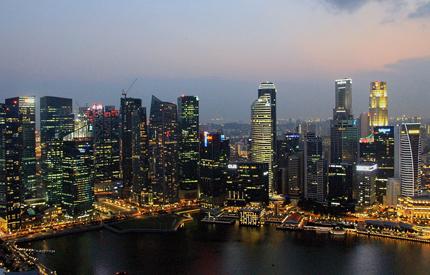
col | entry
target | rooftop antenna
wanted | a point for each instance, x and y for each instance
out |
(125, 93)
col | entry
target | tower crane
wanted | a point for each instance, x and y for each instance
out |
(125, 93)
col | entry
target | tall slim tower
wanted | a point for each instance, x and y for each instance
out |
(343, 128)
(27, 107)
(142, 189)
(189, 146)
(11, 164)
(263, 129)
(378, 104)
(410, 158)
(163, 150)
(128, 106)
(105, 123)
(315, 166)
(78, 172)
(56, 121)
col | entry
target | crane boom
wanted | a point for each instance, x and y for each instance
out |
(125, 93)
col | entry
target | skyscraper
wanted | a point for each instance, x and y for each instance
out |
(189, 146)
(56, 121)
(263, 129)
(11, 164)
(410, 159)
(128, 106)
(105, 124)
(315, 179)
(247, 182)
(384, 154)
(27, 107)
(214, 156)
(142, 189)
(163, 150)
(365, 189)
(78, 172)
(378, 104)
(343, 99)
(343, 128)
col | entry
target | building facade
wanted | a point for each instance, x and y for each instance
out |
(378, 104)
(315, 173)
(410, 159)
(163, 143)
(189, 146)
(27, 107)
(263, 130)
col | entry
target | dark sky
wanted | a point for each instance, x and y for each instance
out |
(220, 51)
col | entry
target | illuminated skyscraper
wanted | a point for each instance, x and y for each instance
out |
(11, 164)
(343, 99)
(27, 107)
(315, 179)
(410, 159)
(214, 156)
(343, 128)
(189, 146)
(365, 189)
(247, 182)
(263, 129)
(105, 125)
(378, 104)
(56, 121)
(142, 189)
(384, 154)
(128, 106)
(163, 150)
(78, 172)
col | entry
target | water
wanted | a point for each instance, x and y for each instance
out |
(225, 249)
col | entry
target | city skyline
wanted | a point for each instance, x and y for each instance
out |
(211, 50)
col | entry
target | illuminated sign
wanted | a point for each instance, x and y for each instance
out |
(366, 168)
(413, 131)
(232, 166)
(292, 136)
(384, 130)
(205, 137)
(29, 100)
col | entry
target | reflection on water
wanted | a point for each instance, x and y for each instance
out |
(225, 249)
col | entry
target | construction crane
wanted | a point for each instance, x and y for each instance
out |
(125, 93)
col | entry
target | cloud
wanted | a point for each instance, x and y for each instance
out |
(347, 5)
(422, 10)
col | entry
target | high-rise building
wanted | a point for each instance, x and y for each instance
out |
(340, 182)
(27, 107)
(288, 145)
(142, 189)
(128, 106)
(384, 140)
(294, 176)
(78, 172)
(163, 150)
(56, 118)
(365, 189)
(378, 104)
(343, 128)
(105, 124)
(56, 121)
(263, 129)
(410, 159)
(214, 156)
(11, 165)
(343, 99)
(247, 182)
(189, 146)
(315, 174)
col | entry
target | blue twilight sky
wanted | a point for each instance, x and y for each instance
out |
(220, 51)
